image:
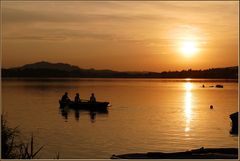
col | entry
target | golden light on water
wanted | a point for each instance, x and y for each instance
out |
(188, 86)
(188, 106)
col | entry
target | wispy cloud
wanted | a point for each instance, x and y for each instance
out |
(109, 18)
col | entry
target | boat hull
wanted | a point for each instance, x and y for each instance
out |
(86, 105)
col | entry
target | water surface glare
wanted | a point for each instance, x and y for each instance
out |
(145, 115)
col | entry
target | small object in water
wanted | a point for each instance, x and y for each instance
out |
(211, 107)
(211, 86)
(203, 86)
(219, 86)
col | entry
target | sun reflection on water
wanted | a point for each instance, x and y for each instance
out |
(188, 107)
(188, 86)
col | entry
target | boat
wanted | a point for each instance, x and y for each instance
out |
(85, 105)
(219, 86)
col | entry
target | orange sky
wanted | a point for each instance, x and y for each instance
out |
(124, 36)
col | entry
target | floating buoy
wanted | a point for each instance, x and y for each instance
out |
(211, 107)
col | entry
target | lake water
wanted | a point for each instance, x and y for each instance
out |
(145, 115)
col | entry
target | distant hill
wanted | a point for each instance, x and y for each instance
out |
(46, 69)
(47, 65)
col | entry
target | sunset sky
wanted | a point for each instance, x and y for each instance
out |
(123, 36)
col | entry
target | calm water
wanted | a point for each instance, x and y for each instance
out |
(146, 115)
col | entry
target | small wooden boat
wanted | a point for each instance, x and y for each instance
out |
(85, 105)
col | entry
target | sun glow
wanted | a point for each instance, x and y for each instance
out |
(189, 48)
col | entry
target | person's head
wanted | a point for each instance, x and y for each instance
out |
(77, 94)
(66, 93)
(92, 94)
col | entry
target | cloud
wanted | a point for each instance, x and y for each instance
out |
(11, 15)
(62, 36)
(36, 37)
(133, 22)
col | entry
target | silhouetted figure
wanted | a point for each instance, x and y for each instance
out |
(77, 98)
(211, 107)
(92, 98)
(65, 97)
(203, 86)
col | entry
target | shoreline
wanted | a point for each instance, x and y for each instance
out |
(201, 153)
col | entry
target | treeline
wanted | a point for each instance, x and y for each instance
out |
(62, 73)
(226, 73)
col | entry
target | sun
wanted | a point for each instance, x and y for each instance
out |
(189, 48)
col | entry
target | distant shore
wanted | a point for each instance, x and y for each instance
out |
(57, 70)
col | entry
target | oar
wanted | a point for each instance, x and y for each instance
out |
(84, 100)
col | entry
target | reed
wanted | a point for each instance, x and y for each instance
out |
(12, 147)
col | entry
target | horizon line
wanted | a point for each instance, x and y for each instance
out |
(117, 70)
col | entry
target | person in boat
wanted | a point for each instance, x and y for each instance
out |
(77, 98)
(65, 97)
(92, 98)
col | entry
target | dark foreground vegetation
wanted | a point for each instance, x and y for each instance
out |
(202, 153)
(46, 69)
(12, 146)
(234, 118)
